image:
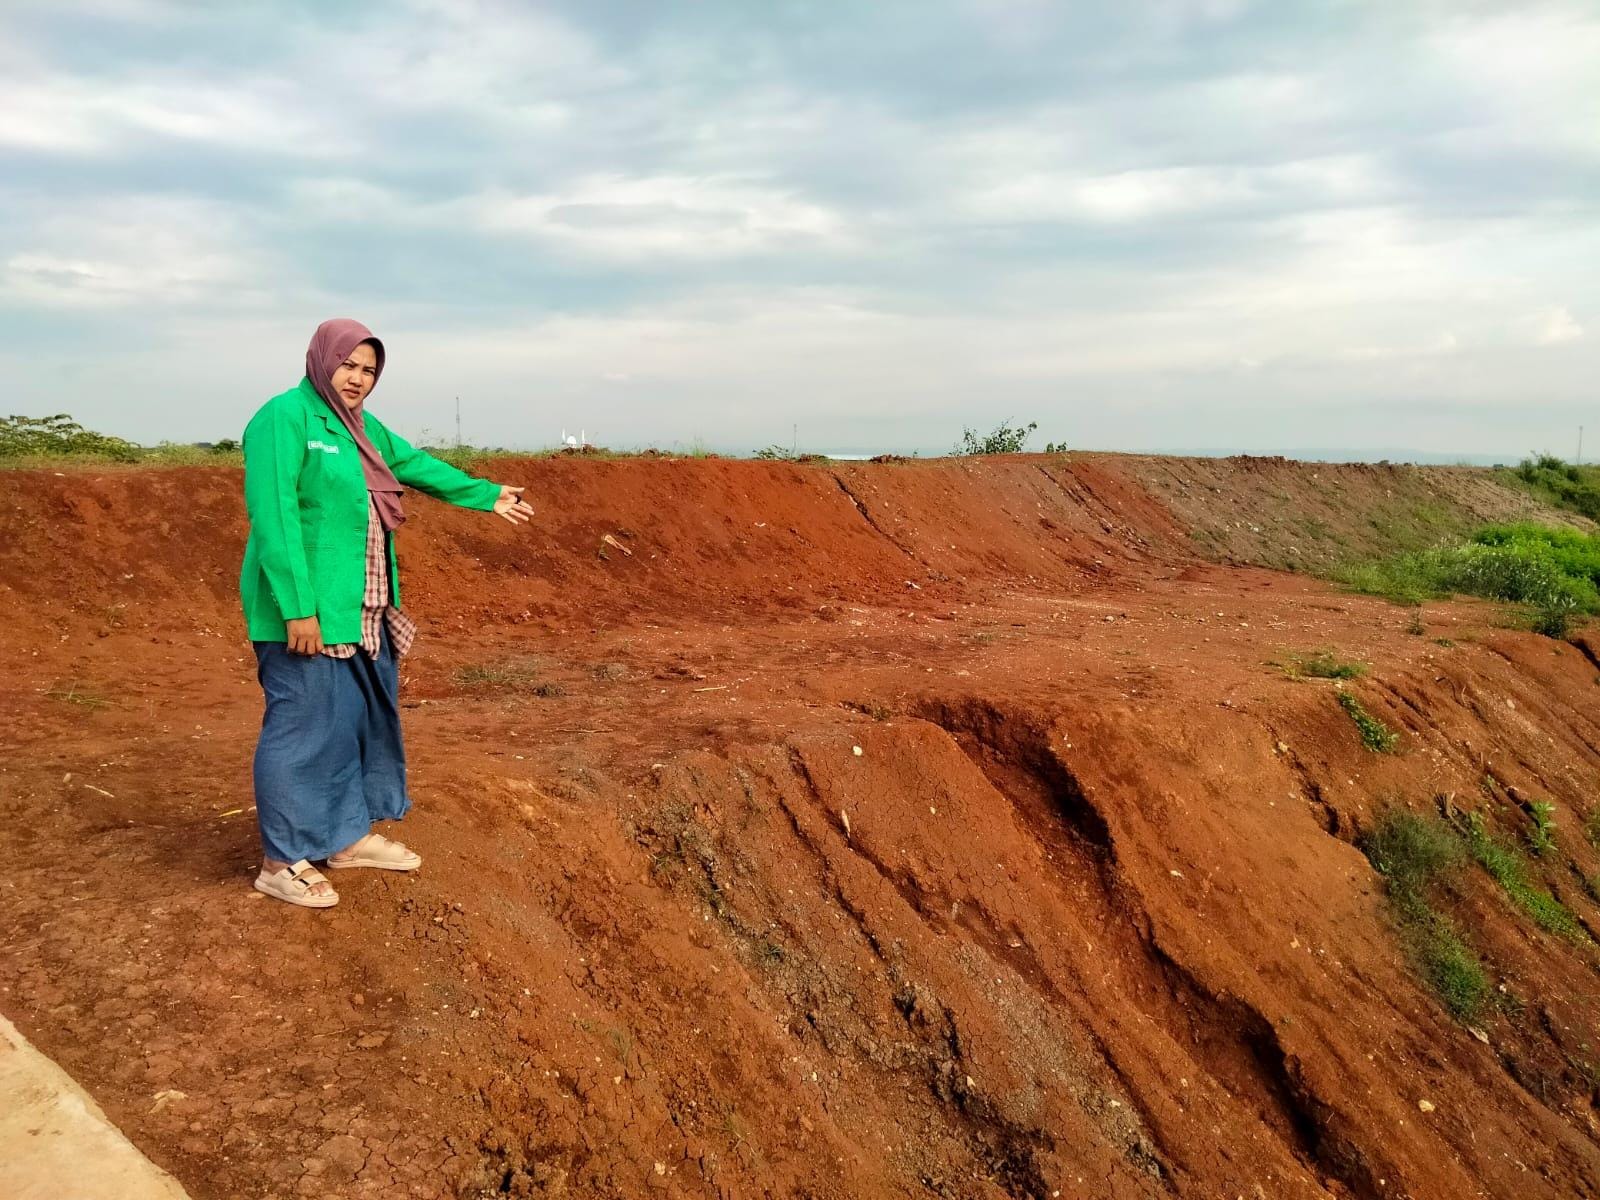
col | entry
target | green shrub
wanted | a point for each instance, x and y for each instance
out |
(1557, 578)
(1553, 620)
(1575, 552)
(1560, 483)
(1375, 735)
(776, 453)
(26, 440)
(1543, 835)
(59, 436)
(1005, 438)
(1526, 573)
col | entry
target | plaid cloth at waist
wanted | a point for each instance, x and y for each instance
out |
(375, 606)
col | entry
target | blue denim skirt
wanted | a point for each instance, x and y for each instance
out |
(330, 761)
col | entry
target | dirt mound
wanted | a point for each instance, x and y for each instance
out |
(615, 540)
(1275, 512)
(753, 869)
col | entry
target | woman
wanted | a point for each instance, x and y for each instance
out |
(322, 485)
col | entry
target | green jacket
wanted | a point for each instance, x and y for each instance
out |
(306, 495)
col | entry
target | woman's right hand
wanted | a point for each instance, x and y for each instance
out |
(305, 636)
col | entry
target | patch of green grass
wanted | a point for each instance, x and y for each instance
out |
(1506, 867)
(168, 454)
(463, 458)
(697, 448)
(1322, 664)
(1410, 851)
(1375, 735)
(1413, 853)
(226, 453)
(1554, 572)
(1400, 580)
(1451, 967)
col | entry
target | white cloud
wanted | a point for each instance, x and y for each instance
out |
(146, 250)
(623, 217)
(1552, 327)
(1528, 76)
(1158, 194)
(505, 65)
(613, 218)
(102, 117)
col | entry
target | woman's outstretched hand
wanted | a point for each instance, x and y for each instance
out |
(305, 636)
(512, 506)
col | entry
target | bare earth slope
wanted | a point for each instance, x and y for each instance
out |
(1275, 512)
(914, 829)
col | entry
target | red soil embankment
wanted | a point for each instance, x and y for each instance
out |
(687, 535)
(753, 869)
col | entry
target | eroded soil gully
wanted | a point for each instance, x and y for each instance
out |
(1083, 915)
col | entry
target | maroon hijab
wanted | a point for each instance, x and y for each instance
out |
(330, 344)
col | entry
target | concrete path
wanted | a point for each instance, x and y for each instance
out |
(56, 1144)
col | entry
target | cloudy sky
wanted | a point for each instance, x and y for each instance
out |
(1161, 224)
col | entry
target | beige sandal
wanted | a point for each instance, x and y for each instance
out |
(375, 850)
(293, 884)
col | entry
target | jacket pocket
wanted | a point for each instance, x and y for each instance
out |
(332, 476)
